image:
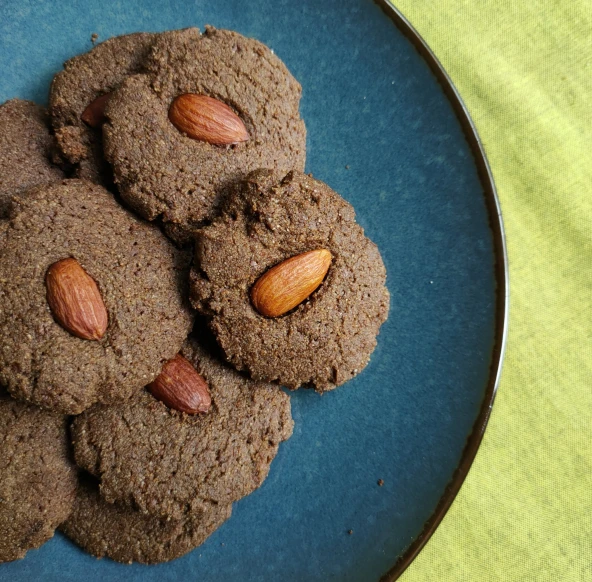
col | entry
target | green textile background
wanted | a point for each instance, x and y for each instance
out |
(524, 69)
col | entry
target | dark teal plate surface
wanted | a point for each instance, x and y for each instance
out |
(387, 135)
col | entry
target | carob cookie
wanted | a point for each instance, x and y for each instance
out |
(162, 172)
(140, 278)
(37, 478)
(125, 535)
(327, 339)
(26, 148)
(85, 78)
(168, 463)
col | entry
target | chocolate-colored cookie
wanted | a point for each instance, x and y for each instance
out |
(37, 479)
(327, 339)
(141, 278)
(125, 535)
(84, 78)
(26, 147)
(162, 172)
(168, 463)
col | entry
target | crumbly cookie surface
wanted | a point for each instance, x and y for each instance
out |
(269, 218)
(142, 280)
(122, 534)
(26, 148)
(168, 463)
(161, 172)
(84, 78)
(37, 478)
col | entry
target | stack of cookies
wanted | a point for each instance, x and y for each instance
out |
(165, 267)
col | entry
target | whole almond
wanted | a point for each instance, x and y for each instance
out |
(289, 283)
(94, 114)
(207, 119)
(75, 300)
(179, 386)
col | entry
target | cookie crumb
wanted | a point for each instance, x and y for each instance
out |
(347, 166)
(380, 482)
(350, 531)
(94, 37)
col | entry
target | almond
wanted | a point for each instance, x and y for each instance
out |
(207, 119)
(75, 300)
(179, 386)
(289, 283)
(94, 114)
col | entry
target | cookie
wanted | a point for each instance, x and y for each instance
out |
(163, 173)
(168, 463)
(84, 78)
(125, 535)
(26, 147)
(324, 341)
(37, 479)
(141, 278)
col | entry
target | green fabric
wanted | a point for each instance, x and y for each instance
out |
(524, 69)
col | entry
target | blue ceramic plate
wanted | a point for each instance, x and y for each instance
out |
(387, 131)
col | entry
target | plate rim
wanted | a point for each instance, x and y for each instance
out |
(502, 289)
